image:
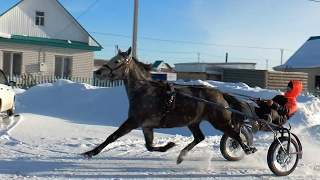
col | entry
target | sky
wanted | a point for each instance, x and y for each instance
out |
(59, 121)
(199, 30)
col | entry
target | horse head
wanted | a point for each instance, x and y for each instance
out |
(123, 66)
(116, 67)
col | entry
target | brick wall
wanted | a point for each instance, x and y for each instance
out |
(33, 55)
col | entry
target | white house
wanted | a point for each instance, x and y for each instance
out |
(161, 66)
(42, 37)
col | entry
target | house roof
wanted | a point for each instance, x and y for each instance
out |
(168, 65)
(49, 42)
(307, 56)
(156, 64)
(20, 38)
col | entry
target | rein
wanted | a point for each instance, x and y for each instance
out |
(255, 99)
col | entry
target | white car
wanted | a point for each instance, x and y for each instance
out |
(7, 95)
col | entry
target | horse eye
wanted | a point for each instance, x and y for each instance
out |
(117, 61)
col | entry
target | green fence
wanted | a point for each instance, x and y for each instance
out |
(26, 81)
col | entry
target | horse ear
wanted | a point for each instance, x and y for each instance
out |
(119, 50)
(128, 51)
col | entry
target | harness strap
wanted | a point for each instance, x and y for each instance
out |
(170, 104)
(172, 101)
(125, 63)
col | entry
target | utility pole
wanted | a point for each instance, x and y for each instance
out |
(281, 55)
(226, 57)
(135, 29)
(198, 57)
(267, 64)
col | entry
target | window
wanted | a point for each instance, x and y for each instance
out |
(63, 66)
(39, 18)
(12, 63)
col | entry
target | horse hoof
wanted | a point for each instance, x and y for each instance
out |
(170, 145)
(250, 150)
(165, 148)
(179, 160)
(182, 154)
(254, 150)
(87, 154)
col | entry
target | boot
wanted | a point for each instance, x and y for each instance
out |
(264, 126)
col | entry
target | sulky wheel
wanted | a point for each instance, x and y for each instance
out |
(281, 162)
(231, 149)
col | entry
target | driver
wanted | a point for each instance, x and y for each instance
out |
(281, 108)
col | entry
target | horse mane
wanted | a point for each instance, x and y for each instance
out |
(147, 67)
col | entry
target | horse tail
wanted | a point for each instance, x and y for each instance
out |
(236, 118)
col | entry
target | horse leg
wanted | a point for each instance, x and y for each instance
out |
(148, 136)
(198, 137)
(229, 131)
(124, 129)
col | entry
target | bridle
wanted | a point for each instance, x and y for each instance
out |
(125, 63)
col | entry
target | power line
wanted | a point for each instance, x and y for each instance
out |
(77, 18)
(188, 58)
(315, 1)
(166, 51)
(161, 57)
(205, 54)
(189, 42)
(176, 52)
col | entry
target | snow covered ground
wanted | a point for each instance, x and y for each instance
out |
(59, 121)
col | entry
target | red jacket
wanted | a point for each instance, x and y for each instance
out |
(291, 105)
(285, 105)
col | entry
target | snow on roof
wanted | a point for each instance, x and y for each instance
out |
(307, 56)
(5, 35)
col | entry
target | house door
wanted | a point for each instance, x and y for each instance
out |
(12, 63)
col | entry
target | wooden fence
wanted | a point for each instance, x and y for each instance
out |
(264, 79)
(279, 80)
(26, 81)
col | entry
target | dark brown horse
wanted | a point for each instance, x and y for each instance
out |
(151, 106)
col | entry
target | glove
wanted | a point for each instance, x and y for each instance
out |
(269, 103)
